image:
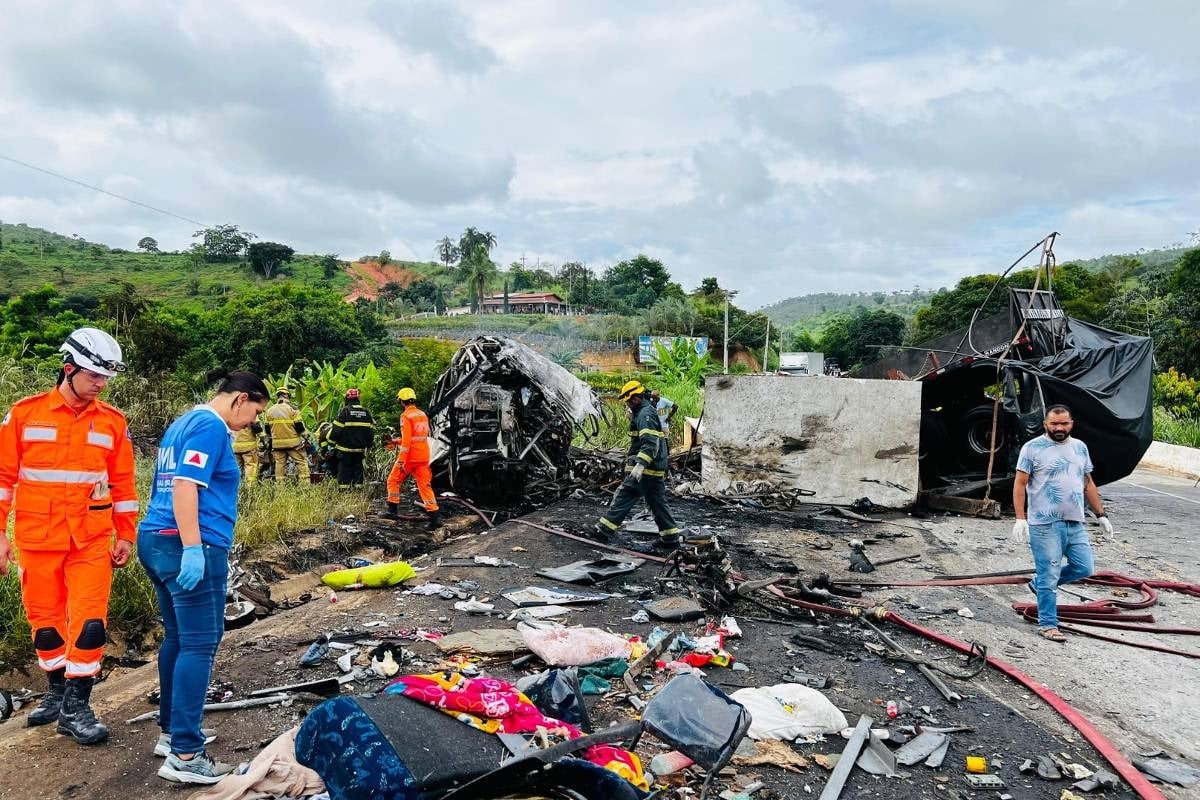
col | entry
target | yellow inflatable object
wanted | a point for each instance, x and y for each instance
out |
(373, 576)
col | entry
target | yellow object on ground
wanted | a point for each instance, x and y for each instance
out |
(373, 576)
(977, 765)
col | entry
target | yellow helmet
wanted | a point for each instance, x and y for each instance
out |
(630, 389)
(406, 394)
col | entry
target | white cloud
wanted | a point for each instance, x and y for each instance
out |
(779, 148)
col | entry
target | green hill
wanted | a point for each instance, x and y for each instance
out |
(31, 258)
(813, 311)
(1151, 260)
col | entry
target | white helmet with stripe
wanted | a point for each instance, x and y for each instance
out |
(94, 350)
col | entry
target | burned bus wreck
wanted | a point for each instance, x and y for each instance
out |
(503, 417)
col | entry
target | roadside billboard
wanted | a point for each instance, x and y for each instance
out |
(648, 354)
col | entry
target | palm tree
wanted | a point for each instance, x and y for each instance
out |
(479, 272)
(447, 252)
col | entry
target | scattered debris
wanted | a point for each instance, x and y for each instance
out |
(841, 771)
(674, 609)
(592, 571)
(1169, 771)
(542, 596)
(789, 711)
(772, 752)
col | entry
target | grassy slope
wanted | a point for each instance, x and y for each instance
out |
(813, 312)
(31, 259)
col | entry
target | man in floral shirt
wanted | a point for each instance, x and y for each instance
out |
(1054, 473)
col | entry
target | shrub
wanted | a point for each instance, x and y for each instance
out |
(1177, 393)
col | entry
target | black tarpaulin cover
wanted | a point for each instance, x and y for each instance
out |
(1105, 378)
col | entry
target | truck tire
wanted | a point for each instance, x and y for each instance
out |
(976, 436)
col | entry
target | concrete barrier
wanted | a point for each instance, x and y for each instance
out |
(1172, 458)
(838, 437)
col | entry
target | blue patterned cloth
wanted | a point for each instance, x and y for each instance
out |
(1057, 474)
(340, 743)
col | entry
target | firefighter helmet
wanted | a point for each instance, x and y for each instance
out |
(352, 394)
(630, 389)
(406, 394)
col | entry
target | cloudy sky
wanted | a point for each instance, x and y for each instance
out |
(783, 147)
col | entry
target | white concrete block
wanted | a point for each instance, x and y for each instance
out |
(1173, 458)
(842, 438)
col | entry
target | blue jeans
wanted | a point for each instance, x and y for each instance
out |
(193, 623)
(1049, 544)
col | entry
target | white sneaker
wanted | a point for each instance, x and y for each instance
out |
(162, 748)
(202, 768)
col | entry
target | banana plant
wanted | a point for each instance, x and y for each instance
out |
(320, 389)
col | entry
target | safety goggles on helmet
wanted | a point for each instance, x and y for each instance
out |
(104, 363)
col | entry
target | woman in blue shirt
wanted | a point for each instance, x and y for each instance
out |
(183, 542)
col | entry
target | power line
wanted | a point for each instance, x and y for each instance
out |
(103, 191)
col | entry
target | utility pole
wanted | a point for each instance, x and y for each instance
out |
(767, 349)
(728, 293)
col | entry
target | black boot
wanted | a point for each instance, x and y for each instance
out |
(47, 710)
(77, 719)
(435, 520)
(393, 511)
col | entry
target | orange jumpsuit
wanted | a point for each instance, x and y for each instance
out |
(412, 458)
(69, 479)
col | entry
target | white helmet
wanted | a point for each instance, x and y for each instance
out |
(94, 350)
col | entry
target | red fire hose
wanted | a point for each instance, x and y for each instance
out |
(1138, 781)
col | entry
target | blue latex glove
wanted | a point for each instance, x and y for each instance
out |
(191, 566)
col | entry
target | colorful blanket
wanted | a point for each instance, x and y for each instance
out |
(494, 706)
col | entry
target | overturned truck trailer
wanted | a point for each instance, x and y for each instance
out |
(1034, 356)
(502, 418)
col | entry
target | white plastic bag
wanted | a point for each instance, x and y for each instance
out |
(788, 711)
(569, 647)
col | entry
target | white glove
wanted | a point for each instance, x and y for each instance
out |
(1106, 526)
(636, 472)
(1021, 531)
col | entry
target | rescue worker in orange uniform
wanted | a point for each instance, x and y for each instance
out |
(66, 471)
(412, 458)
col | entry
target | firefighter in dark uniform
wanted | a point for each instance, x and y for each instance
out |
(353, 432)
(646, 469)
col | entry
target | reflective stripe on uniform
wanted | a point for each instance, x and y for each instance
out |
(60, 475)
(341, 449)
(653, 473)
(609, 525)
(419, 439)
(5, 494)
(32, 434)
(125, 507)
(668, 532)
(355, 424)
(50, 664)
(100, 439)
(645, 457)
(82, 669)
(651, 432)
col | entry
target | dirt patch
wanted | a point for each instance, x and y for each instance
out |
(371, 276)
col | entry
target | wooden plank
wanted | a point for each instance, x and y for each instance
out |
(961, 505)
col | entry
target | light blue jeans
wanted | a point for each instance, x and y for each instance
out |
(1050, 543)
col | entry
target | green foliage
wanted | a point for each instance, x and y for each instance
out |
(319, 390)
(31, 258)
(266, 330)
(330, 266)
(479, 271)
(638, 283)
(1175, 392)
(608, 384)
(416, 363)
(148, 243)
(567, 358)
(35, 324)
(814, 311)
(223, 243)
(1175, 430)
(266, 258)
(681, 364)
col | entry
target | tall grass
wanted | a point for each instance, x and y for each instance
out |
(268, 511)
(614, 426)
(1176, 430)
